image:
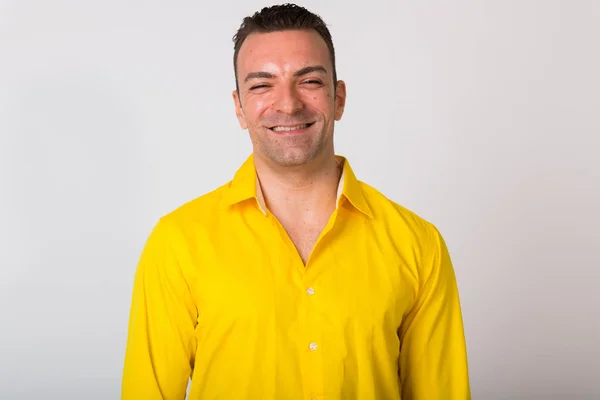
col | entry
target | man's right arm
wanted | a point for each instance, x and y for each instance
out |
(160, 344)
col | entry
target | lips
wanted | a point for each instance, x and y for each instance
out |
(282, 128)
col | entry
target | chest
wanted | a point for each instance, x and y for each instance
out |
(304, 237)
(303, 229)
(331, 314)
(353, 279)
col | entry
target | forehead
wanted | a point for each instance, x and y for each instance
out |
(284, 51)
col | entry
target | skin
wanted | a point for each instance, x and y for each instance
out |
(285, 79)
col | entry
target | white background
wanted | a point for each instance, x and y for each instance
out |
(481, 116)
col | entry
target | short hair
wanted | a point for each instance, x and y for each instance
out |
(282, 18)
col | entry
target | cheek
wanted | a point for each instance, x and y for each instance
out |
(255, 109)
(324, 105)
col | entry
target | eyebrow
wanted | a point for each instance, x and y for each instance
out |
(300, 72)
(261, 74)
(311, 69)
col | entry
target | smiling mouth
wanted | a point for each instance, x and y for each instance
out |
(291, 128)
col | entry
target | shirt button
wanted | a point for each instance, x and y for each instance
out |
(310, 291)
(312, 346)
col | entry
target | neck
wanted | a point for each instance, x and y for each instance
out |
(305, 188)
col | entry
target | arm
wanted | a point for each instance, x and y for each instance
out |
(160, 344)
(433, 357)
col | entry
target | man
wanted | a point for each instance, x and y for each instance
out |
(294, 280)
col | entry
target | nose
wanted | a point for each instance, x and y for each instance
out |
(288, 100)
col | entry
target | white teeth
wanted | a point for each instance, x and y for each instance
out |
(289, 128)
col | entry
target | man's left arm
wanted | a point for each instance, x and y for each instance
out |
(433, 355)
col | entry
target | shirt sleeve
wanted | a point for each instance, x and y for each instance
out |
(433, 356)
(160, 344)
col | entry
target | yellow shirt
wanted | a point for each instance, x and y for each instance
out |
(221, 295)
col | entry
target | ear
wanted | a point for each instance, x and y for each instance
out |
(238, 110)
(340, 99)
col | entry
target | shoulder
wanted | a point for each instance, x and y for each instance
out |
(415, 240)
(194, 215)
(403, 224)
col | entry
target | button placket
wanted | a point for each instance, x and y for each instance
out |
(314, 329)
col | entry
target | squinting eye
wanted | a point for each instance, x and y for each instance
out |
(313, 82)
(259, 87)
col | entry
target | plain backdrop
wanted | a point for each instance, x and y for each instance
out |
(481, 116)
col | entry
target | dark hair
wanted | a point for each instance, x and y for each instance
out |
(281, 18)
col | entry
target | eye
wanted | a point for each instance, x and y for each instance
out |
(259, 86)
(313, 82)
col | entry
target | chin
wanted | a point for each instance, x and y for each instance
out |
(292, 152)
(292, 158)
(290, 162)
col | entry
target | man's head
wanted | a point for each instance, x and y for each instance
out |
(287, 94)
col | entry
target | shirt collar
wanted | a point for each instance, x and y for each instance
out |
(245, 186)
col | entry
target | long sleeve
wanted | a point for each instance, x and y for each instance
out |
(433, 356)
(160, 344)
